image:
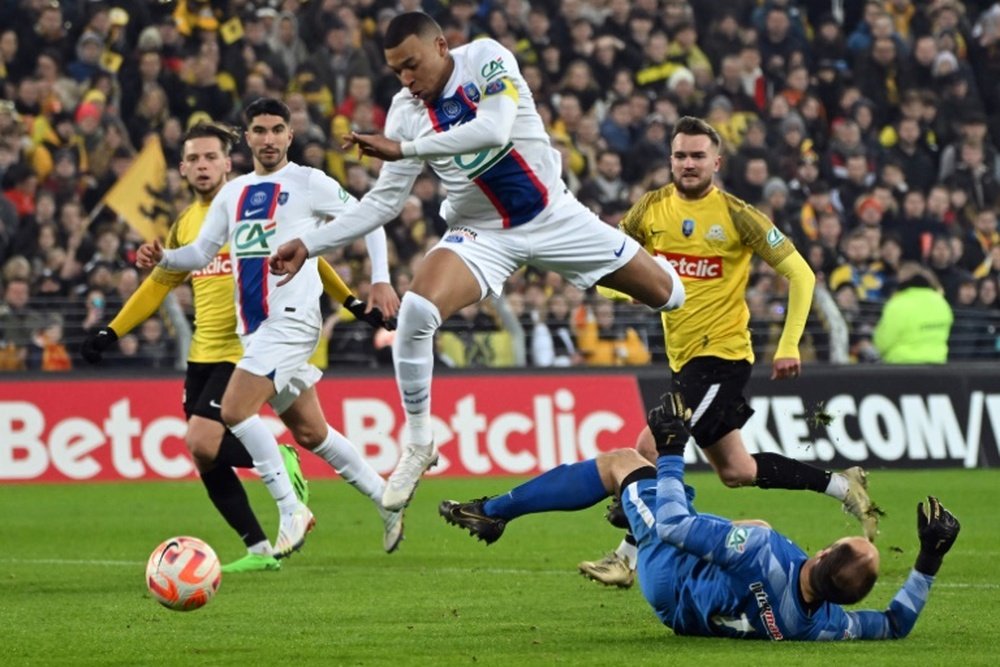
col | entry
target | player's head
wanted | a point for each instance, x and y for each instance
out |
(845, 571)
(205, 156)
(416, 50)
(694, 156)
(269, 133)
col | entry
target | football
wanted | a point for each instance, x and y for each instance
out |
(183, 573)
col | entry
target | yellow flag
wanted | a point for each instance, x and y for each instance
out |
(139, 196)
(231, 30)
(111, 61)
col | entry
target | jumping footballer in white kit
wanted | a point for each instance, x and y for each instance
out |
(468, 113)
(279, 325)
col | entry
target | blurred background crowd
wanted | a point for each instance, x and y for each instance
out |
(868, 131)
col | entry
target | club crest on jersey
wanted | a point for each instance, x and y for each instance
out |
(250, 239)
(258, 198)
(494, 87)
(493, 68)
(687, 227)
(715, 233)
(450, 109)
(282, 198)
(471, 92)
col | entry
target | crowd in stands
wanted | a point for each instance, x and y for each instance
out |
(868, 131)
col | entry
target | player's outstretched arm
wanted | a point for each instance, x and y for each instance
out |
(145, 301)
(937, 529)
(676, 521)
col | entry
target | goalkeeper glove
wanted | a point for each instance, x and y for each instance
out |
(95, 344)
(937, 529)
(668, 424)
(373, 317)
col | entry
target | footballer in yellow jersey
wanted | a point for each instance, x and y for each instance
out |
(215, 347)
(710, 237)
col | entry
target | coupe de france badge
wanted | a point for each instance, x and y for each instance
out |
(687, 227)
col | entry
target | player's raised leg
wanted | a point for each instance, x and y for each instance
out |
(443, 284)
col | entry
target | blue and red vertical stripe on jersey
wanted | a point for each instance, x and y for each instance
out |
(257, 202)
(508, 182)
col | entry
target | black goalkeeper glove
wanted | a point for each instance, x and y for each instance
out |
(937, 529)
(668, 424)
(96, 343)
(374, 317)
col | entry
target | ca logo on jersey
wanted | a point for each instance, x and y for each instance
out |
(737, 539)
(251, 238)
(493, 68)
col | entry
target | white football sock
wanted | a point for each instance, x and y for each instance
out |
(267, 460)
(349, 464)
(262, 548)
(837, 487)
(629, 553)
(413, 357)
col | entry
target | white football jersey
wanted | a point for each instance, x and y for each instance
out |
(493, 188)
(256, 214)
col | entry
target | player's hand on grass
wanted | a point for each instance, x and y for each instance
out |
(668, 424)
(96, 343)
(373, 145)
(288, 259)
(149, 255)
(784, 369)
(937, 529)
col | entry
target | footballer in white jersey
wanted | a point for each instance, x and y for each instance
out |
(468, 113)
(257, 213)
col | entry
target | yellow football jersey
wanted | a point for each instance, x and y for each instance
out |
(215, 338)
(710, 242)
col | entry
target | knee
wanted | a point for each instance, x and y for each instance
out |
(418, 317)
(736, 476)
(203, 451)
(230, 414)
(309, 436)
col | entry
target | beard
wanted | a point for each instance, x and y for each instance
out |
(695, 191)
(269, 160)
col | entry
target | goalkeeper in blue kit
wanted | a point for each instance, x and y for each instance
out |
(709, 576)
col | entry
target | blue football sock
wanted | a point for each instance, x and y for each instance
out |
(564, 488)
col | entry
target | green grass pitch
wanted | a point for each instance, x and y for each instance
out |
(73, 559)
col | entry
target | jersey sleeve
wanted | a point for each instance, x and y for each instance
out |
(710, 538)
(634, 223)
(758, 232)
(495, 72)
(896, 622)
(211, 238)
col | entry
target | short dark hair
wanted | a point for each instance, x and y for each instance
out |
(696, 126)
(226, 135)
(409, 23)
(266, 106)
(841, 577)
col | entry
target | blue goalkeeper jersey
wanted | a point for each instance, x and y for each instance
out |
(705, 576)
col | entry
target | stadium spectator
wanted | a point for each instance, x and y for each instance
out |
(916, 320)
(602, 341)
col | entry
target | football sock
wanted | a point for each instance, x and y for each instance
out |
(564, 488)
(230, 499)
(628, 551)
(837, 487)
(775, 471)
(413, 357)
(232, 453)
(262, 548)
(349, 464)
(267, 459)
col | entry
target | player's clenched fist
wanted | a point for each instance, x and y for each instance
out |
(149, 255)
(288, 259)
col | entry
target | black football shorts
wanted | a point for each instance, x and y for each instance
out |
(713, 389)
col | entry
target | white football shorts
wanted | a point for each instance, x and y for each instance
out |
(567, 237)
(280, 350)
